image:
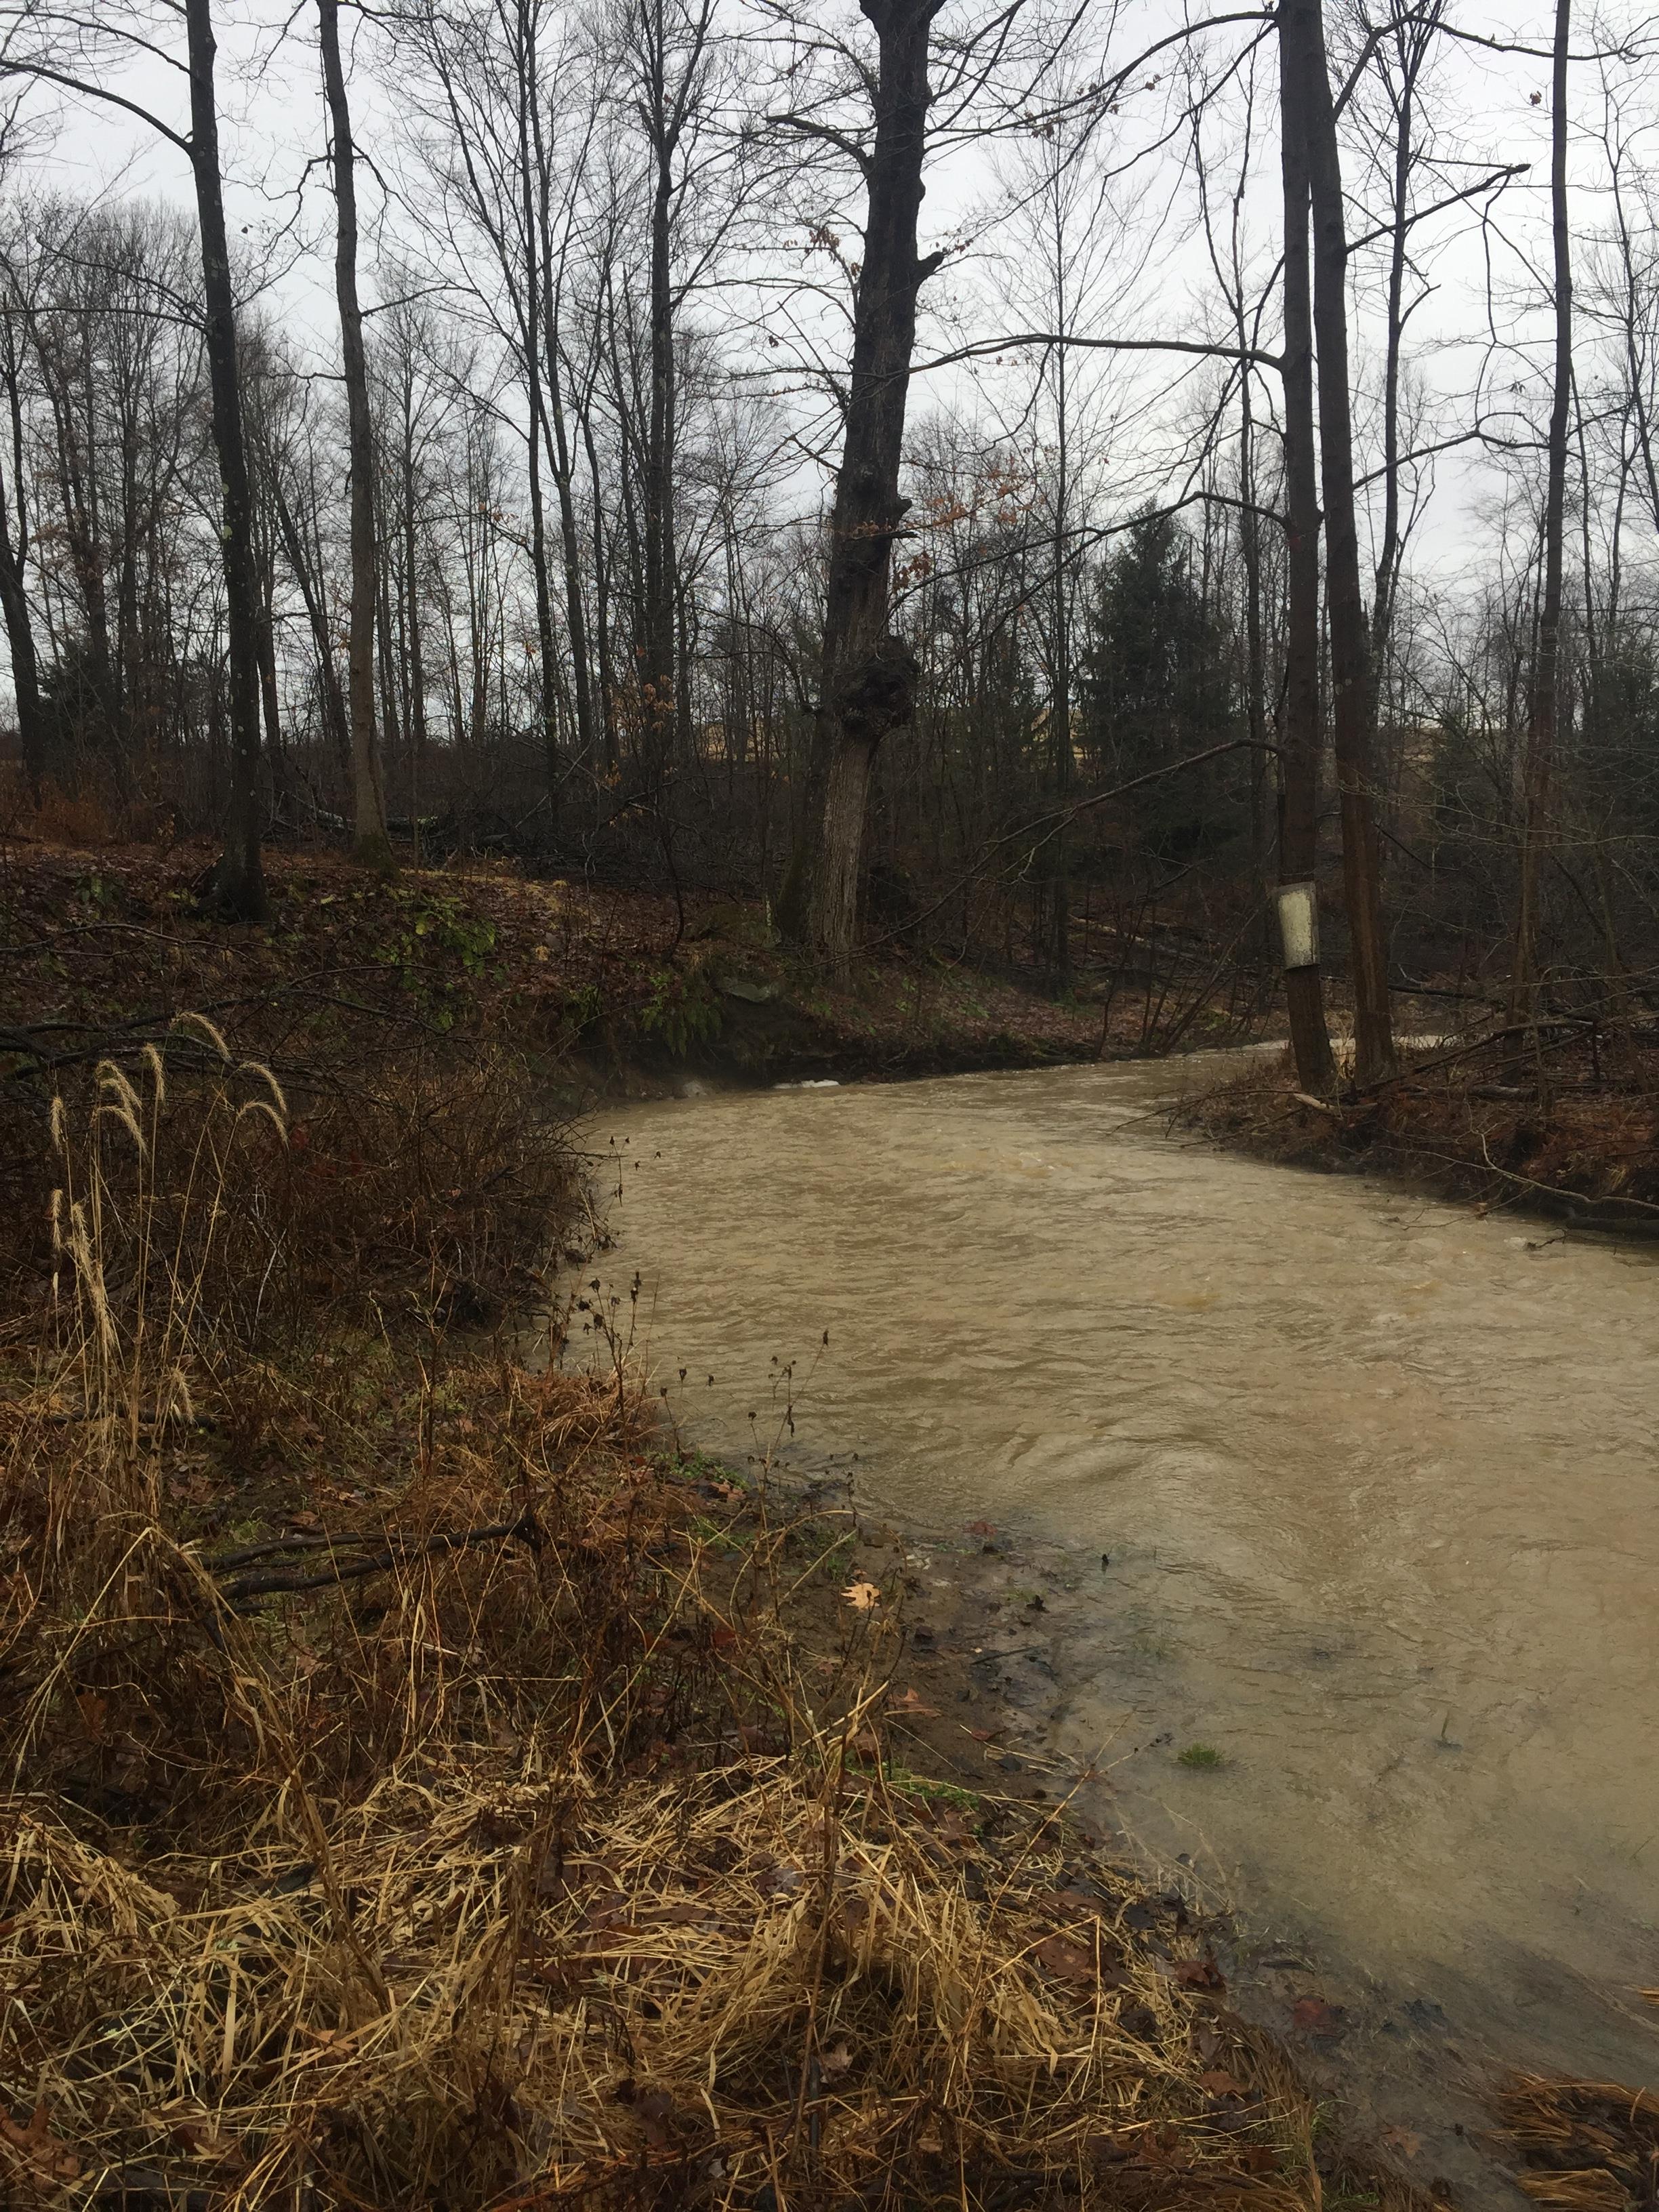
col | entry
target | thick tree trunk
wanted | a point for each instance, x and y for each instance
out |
(1344, 602)
(1300, 734)
(14, 594)
(370, 844)
(1538, 766)
(867, 682)
(238, 883)
(25, 666)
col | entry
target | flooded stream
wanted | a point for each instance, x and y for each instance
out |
(1375, 1478)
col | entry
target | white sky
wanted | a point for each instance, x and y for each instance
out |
(1487, 109)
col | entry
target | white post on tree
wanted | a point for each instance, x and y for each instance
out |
(1298, 924)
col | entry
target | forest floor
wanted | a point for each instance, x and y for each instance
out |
(427, 1785)
(1562, 1119)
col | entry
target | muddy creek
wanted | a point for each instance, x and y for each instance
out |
(1374, 1480)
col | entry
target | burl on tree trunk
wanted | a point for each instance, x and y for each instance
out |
(868, 683)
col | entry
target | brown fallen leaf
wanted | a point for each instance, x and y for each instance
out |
(1199, 1973)
(861, 1595)
(1315, 2017)
(913, 1705)
(1220, 2084)
(983, 1735)
(37, 2145)
(1402, 2140)
(836, 2060)
(982, 1528)
(202, 2140)
(1068, 1961)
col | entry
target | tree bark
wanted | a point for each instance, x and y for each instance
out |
(1345, 603)
(415, 640)
(666, 111)
(20, 639)
(867, 682)
(14, 593)
(311, 594)
(370, 844)
(238, 882)
(1301, 728)
(1542, 719)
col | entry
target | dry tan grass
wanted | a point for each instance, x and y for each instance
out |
(500, 1982)
(1583, 2146)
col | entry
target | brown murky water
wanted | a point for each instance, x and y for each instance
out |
(1377, 1480)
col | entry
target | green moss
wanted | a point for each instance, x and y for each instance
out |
(1199, 1754)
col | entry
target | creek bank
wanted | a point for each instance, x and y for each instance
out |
(979, 1687)
(1572, 1137)
(614, 992)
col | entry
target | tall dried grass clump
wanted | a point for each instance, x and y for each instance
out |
(138, 1232)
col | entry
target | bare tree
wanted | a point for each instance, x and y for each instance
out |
(58, 47)
(1302, 23)
(1540, 757)
(370, 842)
(867, 680)
(1300, 722)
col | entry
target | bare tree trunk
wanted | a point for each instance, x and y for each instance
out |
(1541, 721)
(238, 882)
(412, 624)
(14, 594)
(1298, 830)
(526, 92)
(602, 616)
(1351, 687)
(370, 844)
(309, 582)
(658, 674)
(20, 639)
(575, 609)
(1413, 42)
(867, 683)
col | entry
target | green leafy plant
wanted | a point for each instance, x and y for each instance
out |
(1199, 1754)
(683, 1010)
(437, 921)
